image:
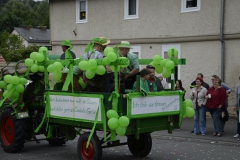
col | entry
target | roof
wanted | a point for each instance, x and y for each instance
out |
(34, 34)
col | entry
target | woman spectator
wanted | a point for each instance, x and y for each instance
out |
(198, 94)
(179, 87)
(216, 99)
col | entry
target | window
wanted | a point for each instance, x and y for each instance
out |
(81, 11)
(165, 56)
(130, 9)
(190, 5)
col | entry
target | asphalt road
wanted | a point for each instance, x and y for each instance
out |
(181, 145)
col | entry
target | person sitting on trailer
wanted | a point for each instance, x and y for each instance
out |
(144, 76)
(94, 50)
(154, 83)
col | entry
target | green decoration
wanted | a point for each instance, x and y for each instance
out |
(33, 55)
(113, 123)
(20, 88)
(169, 65)
(100, 70)
(22, 81)
(190, 112)
(51, 68)
(158, 69)
(123, 121)
(5, 93)
(28, 62)
(120, 130)
(15, 80)
(57, 66)
(83, 65)
(3, 84)
(92, 63)
(81, 82)
(105, 61)
(90, 73)
(172, 52)
(42, 49)
(40, 57)
(107, 50)
(166, 73)
(157, 59)
(57, 75)
(188, 103)
(9, 86)
(163, 62)
(34, 68)
(152, 64)
(113, 68)
(41, 68)
(112, 114)
(15, 95)
(8, 78)
(124, 58)
(111, 56)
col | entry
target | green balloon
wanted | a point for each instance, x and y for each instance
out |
(50, 68)
(105, 61)
(113, 68)
(57, 66)
(184, 115)
(43, 49)
(151, 64)
(41, 68)
(158, 69)
(3, 84)
(100, 70)
(188, 103)
(22, 81)
(190, 112)
(123, 121)
(40, 57)
(83, 65)
(33, 55)
(8, 78)
(169, 65)
(120, 130)
(15, 95)
(34, 68)
(20, 88)
(166, 73)
(90, 73)
(29, 62)
(5, 93)
(9, 87)
(15, 80)
(113, 123)
(112, 114)
(111, 56)
(57, 75)
(107, 50)
(92, 63)
(163, 62)
(157, 59)
(172, 52)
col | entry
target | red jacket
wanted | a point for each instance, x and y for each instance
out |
(218, 97)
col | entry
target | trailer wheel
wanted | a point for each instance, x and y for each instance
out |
(12, 131)
(94, 150)
(140, 147)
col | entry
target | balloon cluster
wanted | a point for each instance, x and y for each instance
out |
(116, 123)
(36, 57)
(55, 69)
(91, 68)
(188, 110)
(13, 85)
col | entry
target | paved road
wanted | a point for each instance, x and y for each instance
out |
(180, 145)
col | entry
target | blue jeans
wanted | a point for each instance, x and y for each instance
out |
(216, 120)
(200, 114)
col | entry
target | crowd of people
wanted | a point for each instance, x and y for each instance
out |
(205, 98)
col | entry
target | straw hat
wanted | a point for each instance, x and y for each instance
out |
(124, 44)
(102, 41)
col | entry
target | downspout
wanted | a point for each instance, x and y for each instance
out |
(222, 40)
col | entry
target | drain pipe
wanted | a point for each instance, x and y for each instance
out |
(222, 40)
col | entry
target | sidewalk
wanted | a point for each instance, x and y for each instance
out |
(187, 126)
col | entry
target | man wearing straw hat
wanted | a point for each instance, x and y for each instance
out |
(65, 45)
(133, 69)
(94, 50)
